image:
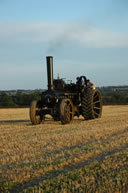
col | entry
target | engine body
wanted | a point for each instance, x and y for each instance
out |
(64, 100)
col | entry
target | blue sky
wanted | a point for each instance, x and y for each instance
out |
(85, 37)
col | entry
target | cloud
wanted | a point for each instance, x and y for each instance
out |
(58, 35)
(99, 38)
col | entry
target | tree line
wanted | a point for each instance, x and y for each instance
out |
(110, 96)
(114, 95)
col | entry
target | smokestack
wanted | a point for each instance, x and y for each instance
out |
(49, 60)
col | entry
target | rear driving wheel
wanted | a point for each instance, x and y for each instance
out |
(91, 104)
(35, 116)
(66, 111)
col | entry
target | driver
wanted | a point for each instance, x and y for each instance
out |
(90, 84)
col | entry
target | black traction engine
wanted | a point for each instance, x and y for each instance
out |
(64, 101)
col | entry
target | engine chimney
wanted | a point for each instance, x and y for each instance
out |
(49, 60)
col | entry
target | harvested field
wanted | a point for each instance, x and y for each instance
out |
(83, 156)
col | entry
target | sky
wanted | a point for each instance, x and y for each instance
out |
(85, 37)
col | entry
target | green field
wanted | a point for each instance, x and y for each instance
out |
(83, 156)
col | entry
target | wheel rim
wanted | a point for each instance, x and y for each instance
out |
(97, 105)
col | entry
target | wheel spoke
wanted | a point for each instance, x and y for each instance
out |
(96, 107)
(96, 95)
(96, 113)
(96, 102)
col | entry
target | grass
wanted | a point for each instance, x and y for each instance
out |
(84, 156)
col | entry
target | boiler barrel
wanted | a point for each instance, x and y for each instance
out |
(49, 60)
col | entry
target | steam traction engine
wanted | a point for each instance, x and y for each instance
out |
(64, 101)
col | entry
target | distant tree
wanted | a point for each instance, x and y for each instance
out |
(22, 99)
(6, 100)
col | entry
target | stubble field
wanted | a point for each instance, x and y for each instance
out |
(83, 156)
